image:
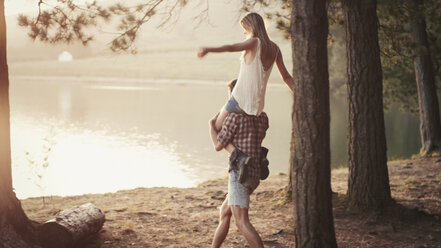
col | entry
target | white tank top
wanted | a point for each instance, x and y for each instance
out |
(250, 87)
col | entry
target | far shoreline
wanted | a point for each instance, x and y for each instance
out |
(340, 170)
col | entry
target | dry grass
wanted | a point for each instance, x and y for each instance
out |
(173, 217)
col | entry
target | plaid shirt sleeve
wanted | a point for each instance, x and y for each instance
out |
(228, 130)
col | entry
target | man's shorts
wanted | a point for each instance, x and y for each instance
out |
(239, 194)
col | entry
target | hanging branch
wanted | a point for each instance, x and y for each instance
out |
(65, 21)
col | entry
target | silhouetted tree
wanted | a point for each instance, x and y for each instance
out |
(368, 185)
(430, 125)
(411, 50)
(15, 227)
(314, 225)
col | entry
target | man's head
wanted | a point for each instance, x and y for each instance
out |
(231, 86)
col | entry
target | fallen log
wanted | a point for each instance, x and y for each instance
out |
(71, 227)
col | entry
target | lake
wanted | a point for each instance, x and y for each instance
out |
(73, 136)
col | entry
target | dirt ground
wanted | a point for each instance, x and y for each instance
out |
(174, 217)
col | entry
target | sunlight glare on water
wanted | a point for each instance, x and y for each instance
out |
(91, 162)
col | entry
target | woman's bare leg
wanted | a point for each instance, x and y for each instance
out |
(229, 148)
(221, 118)
(219, 121)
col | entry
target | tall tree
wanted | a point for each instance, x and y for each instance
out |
(411, 49)
(368, 185)
(430, 125)
(15, 228)
(314, 225)
(395, 18)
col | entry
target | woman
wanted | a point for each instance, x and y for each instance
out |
(259, 56)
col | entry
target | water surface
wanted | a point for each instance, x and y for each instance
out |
(93, 135)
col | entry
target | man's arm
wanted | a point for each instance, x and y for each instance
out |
(213, 133)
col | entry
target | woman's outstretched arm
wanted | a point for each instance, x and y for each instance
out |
(287, 78)
(249, 44)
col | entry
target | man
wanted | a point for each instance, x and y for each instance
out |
(246, 133)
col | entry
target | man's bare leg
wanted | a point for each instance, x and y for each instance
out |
(224, 224)
(244, 225)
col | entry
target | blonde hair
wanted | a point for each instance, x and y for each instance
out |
(257, 25)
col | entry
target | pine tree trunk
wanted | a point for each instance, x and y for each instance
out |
(14, 225)
(430, 126)
(368, 185)
(314, 226)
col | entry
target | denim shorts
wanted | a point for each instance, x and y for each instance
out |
(239, 194)
(233, 107)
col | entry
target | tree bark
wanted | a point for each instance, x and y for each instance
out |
(15, 227)
(368, 185)
(314, 225)
(72, 227)
(430, 125)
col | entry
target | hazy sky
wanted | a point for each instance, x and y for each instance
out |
(16, 6)
(223, 22)
(13, 7)
(221, 27)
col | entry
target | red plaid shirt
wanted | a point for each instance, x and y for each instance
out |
(245, 132)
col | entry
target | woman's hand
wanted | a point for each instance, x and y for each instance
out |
(202, 52)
